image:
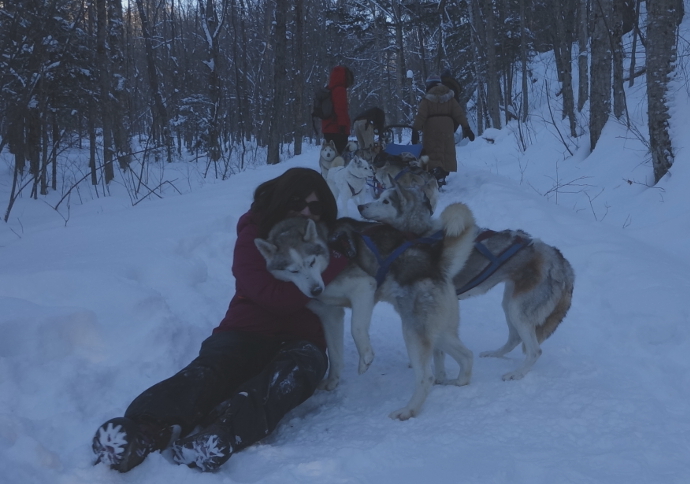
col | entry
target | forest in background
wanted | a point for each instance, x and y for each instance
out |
(223, 81)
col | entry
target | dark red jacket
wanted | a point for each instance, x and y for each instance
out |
(340, 122)
(262, 304)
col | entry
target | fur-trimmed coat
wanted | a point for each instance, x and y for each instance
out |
(438, 117)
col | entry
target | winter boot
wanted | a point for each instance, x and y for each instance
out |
(123, 443)
(207, 450)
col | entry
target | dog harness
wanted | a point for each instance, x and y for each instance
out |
(385, 264)
(495, 262)
(379, 188)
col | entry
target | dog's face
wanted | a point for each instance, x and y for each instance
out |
(387, 208)
(328, 151)
(397, 204)
(295, 252)
(360, 167)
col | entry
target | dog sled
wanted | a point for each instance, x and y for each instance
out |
(393, 131)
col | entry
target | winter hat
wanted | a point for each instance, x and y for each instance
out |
(432, 81)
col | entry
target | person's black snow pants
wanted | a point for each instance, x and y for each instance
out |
(255, 379)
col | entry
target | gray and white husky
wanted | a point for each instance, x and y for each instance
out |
(329, 158)
(406, 171)
(538, 279)
(418, 283)
(350, 181)
(538, 289)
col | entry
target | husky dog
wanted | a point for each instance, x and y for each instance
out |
(538, 279)
(329, 158)
(367, 124)
(538, 289)
(349, 182)
(407, 171)
(417, 283)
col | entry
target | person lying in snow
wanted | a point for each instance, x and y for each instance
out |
(266, 357)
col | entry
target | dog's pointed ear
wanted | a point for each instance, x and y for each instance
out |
(267, 249)
(311, 234)
(332, 144)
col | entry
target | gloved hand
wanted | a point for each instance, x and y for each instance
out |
(342, 242)
(467, 133)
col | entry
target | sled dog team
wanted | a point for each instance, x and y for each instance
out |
(422, 266)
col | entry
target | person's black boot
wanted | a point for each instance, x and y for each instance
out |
(123, 443)
(206, 450)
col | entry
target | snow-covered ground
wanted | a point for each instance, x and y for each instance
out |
(95, 309)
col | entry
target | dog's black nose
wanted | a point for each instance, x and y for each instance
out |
(316, 291)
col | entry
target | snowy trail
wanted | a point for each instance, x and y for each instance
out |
(124, 297)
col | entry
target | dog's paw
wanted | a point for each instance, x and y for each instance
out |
(460, 381)
(490, 354)
(513, 375)
(365, 362)
(403, 414)
(329, 384)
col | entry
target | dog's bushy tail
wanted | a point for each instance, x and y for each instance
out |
(562, 305)
(459, 232)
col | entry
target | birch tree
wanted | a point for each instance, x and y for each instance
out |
(663, 17)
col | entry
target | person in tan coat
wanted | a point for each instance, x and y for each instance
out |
(438, 117)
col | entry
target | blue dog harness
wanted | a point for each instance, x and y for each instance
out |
(385, 264)
(495, 262)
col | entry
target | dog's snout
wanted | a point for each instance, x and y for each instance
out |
(316, 290)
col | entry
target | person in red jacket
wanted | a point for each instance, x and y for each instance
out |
(337, 127)
(266, 357)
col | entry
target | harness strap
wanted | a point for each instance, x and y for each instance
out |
(495, 262)
(352, 190)
(385, 264)
(401, 173)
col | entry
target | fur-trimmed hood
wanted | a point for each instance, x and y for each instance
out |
(439, 94)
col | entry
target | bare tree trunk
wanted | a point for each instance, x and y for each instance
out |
(104, 80)
(45, 142)
(617, 52)
(523, 60)
(279, 73)
(661, 56)
(493, 86)
(119, 90)
(400, 54)
(563, 51)
(211, 25)
(582, 67)
(600, 81)
(633, 53)
(477, 40)
(158, 110)
(299, 121)
(56, 147)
